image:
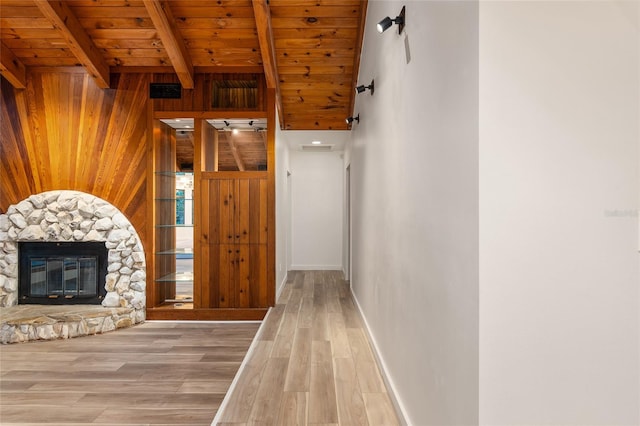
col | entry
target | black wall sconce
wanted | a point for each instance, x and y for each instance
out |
(362, 88)
(387, 22)
(351, 119)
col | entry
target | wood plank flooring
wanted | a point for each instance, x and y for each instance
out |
(312, 362)
(154, 373)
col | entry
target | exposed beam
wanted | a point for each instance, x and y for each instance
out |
(263, 135)
(357, 53)
(173, 43)
(12, 68)
(267, 49)
(234, 150)
(77, 39)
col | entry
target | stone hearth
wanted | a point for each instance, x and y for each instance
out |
(23, 323)
(67, 216)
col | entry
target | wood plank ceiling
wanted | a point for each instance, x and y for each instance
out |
(308, 49)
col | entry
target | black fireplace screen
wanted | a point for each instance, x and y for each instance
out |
(62, 272)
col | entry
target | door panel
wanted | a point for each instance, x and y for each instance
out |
(234, 236)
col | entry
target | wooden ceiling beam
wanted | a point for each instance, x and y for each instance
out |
(357, 51)
(165, 24)
(263, 135)
(77, 39)
(267, 49)
(234, 150)
(12, 68)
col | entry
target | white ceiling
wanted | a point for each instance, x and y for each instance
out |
(295, 139)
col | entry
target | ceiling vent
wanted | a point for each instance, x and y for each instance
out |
(316, 148)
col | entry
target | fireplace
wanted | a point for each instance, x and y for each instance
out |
(62, 273)
(87, 273)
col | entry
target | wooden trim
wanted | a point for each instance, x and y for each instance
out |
(267, 49)
(357, 53)
(163, 20)
(78, 41)
(151, 209)
(234, 175)
(210, 114)
(271, 198)
(58, 70)
(12, 68)
(249, 69)
(217, 314)
(197, 217)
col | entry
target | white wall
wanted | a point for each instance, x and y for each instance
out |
(559, 269)
(414, 160)
(317, 207)
(283, 222)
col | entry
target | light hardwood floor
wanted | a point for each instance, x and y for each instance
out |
(311, 363)
(154, 373)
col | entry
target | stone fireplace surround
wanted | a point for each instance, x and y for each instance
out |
(56, 216)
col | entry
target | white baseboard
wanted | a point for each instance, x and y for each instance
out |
(316, 268)
(234, 383)
(281, 286)
(393, 393)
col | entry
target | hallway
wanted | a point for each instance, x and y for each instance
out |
(311, 362)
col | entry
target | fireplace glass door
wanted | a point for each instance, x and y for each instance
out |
(59, 273)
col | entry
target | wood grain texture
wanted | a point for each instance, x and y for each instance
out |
(78, 41)
(318, 41)
(154, 373)
(310, 377)
(64, 132)
(233, 237)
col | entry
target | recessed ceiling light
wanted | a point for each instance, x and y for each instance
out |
(235, 131)
(316, 142)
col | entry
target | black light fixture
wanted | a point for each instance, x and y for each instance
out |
(387, 22)
(362, 88)
(350, 120)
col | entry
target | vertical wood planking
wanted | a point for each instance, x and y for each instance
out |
(13, 147)
(199, 132)
(254, 205)
(64, 132)
(244, 212)
(263, 225)
(271, 197)
(215, 234)
(225, 209)
(231, 217)
(224, 273)
(243, 261)
(205, 275)
(259, 275)
(78, 138)
(205, 209)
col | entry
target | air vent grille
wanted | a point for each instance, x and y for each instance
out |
(316, 148)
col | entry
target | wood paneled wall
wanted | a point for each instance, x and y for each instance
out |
(202, 98)
(63, 132)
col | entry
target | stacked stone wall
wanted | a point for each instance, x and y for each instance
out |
(67, 216)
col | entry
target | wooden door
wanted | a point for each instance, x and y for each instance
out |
(234, 241)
